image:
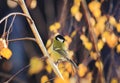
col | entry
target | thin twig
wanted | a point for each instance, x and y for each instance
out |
(15, 1)
(49, 80)
(63, 14)
(15, 13)
(5, 27)
(90, 27)
(8, 76)
(21, 70)
(12, 77)
(20, 39)
(8, 32)
(38, 38)
(116, 8)
(110, 7)
(92, 36)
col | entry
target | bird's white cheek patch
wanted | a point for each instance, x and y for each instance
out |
(61, 40)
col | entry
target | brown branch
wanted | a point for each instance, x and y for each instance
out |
(21, 70)
(9, 29)
(15, 13)
(8, 76)
(20, 39)
(38, 38)
(63, 14)
(6, 19)
(5, 27)
(12, 77)
(90, 27)
(92, 36)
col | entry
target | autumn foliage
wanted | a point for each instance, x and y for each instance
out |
(90, 34)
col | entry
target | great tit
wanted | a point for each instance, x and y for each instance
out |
(59, 53)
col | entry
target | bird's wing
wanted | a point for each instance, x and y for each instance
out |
(65, 55)
(61, 51)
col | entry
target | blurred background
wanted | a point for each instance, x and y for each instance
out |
(46, 13)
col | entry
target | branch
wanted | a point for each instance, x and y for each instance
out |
(15, 13)
(38, 38)
(6, 19)
(5, 27)
(90, 27)
(20, 39)
(12, 77)
(21, 70)
(63, 13)
(8, 76)
(92, 35)
(9, 29)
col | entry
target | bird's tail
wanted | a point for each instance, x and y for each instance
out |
(73, 63)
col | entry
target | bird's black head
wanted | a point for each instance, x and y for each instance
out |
(60, 38)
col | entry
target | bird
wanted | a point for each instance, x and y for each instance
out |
(59, 52)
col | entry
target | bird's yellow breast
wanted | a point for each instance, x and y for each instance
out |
(54, 55)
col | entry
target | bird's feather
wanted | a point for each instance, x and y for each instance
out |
(65, 55)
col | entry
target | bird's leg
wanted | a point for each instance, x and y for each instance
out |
(59, 61)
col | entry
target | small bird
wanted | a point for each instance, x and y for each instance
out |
(59, 52)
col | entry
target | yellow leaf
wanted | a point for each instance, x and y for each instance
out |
(74, 10)
(57, 25)
(102, 19)
(105, 36)
(83, 38)
(88, 45)
(70, 54)
(92, 21)
(114, 80)
(61, 65)
(94, 5)
(82, 70)
(48, 68)
(100, 44)
(99, 65)
(77, 2)
(112, 20)
(49, 42)
(100, 25)
(87, 78)
(112, 40)
(59, 80)
(66, 45)
(44, 79)
(69, 67)
(31, 3)
(118, 27)
(118, 48)
(36, 65)
(78, 16)
(52, 27)
(97, 13)
(93, 55)
(73, 80)
(6, 53)
(68, 39)
(66, 75)
(1, 43)
(97, 33)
